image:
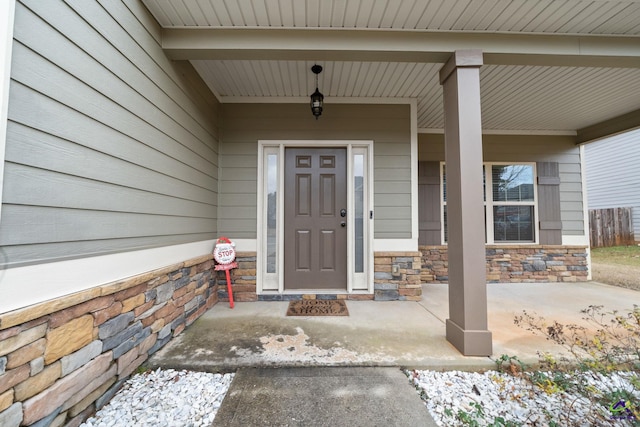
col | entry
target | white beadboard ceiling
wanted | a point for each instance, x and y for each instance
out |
(528, 16)
(514, 97)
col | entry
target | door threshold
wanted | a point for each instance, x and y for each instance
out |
(315, 291)
(292, 295)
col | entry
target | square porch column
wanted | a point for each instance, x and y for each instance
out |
(467, 324)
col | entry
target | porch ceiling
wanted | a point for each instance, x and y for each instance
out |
(552, 65)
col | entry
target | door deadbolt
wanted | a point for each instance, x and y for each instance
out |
(343, 213)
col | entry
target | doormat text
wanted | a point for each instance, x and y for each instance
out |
(317, 308)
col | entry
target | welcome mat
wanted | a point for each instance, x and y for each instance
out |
(317, 307)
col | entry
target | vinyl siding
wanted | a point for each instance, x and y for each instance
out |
(110, 145)
(245, 124)
(613, 174)
(527, 148)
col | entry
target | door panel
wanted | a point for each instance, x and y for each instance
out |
(303, 250)
(303, 192)
(315, 247)
(327, 250)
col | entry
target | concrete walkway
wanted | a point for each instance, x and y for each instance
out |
(322, 397)
(317, 382)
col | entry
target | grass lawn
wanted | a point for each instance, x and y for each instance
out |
(620, 255)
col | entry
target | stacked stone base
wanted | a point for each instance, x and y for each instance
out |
(396, 277)
(62, 360)
(243, 279)
(515, 264)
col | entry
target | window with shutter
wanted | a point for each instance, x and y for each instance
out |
(516, 196)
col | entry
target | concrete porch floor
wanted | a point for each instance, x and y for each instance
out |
(395, 333)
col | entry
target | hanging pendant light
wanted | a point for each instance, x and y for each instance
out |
(317, 98)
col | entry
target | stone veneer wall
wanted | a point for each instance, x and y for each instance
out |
(397, 276)
(243, 279)
(514, 264)
(62, 360)
(402, 283)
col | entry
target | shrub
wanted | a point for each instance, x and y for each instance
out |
(610, 343)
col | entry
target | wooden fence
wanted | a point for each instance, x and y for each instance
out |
(611, 227)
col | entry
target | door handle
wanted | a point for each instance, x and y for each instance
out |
(343, 224)
(343, 213)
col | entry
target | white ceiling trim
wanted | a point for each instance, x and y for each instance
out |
(529, 132)
(305, 100)
(440, 131)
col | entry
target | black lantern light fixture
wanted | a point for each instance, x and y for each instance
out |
(317, 98)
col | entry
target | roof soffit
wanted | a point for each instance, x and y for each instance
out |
(556, 65)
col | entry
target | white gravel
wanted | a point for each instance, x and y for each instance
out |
(500, 399)
(165, 398)
(453, 398)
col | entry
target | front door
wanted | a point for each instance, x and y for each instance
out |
(315, 232)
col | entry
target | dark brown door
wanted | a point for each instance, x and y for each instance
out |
(315, 198)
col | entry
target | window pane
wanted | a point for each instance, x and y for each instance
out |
(513, 223)
(484, 184)
(358, 179)
(446, 231)
(272, 188)
(444, 183)
(512, 183)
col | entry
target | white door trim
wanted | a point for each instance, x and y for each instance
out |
(274, 282)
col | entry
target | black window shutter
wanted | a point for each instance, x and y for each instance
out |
(549, 203)
(429, 203)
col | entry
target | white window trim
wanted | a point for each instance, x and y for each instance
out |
(359, 281)
(274, 282)
(489, 203)
(268, 281)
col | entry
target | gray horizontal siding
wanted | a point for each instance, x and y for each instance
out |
(82, 193)
(527, 148)
(244, 124)
(40, 253)
(110, 145)
(42, 150)
(613, 174)
(76, 224)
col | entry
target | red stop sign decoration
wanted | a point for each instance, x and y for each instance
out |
(225, 254)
